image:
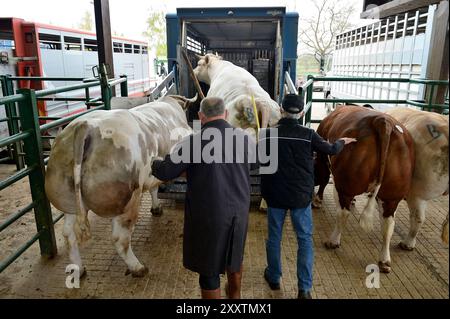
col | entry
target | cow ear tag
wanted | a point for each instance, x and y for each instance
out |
(399, 128)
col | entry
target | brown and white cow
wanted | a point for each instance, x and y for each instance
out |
(101, 162)
(430, 180)
(380, 163)
(236, 86)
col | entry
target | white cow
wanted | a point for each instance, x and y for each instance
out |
(430, 180)
(101, 162)
(236, 86)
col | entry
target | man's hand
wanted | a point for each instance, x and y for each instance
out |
(155, 162)
(348, 140)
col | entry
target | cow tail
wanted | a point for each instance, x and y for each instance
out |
(383, 129)
(445, 231)
(81, 227)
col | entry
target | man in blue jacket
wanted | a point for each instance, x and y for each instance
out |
(291, 187)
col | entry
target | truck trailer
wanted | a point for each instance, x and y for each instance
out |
(261, 40)
(397, 46)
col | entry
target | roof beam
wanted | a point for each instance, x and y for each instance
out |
(395, 7)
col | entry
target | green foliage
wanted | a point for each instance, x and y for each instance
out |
(156, 32)
(118, 34)
(307, 64)
(86, 22)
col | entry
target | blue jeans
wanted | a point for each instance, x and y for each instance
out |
(303, 226)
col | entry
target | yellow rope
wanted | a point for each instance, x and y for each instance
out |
(255, 111)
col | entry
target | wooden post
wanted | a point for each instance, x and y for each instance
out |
(104, 38)
(386, 8)
(191, 72)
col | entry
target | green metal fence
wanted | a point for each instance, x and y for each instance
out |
(28, 134)
(427, 105)
(15, 151)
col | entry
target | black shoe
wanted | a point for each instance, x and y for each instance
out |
(304, 295)
(272, 285)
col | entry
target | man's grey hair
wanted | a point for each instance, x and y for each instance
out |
(212, 106)
(291, 115)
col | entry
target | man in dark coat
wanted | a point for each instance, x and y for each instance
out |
(291, 187)
(217, 197)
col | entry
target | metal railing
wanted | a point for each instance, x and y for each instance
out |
(289, 88)
(6, 81)
(28, 134)
(427, 105)
(167, 85)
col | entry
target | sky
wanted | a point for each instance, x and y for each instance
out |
(128, 17)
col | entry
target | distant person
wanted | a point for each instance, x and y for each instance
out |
(163, 70)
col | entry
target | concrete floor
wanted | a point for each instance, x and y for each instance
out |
(157, 242)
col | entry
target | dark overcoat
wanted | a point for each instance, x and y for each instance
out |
(217, 198)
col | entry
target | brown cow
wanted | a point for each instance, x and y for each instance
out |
(380, 163)
(430, 180)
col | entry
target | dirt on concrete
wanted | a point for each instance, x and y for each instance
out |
(157, 242)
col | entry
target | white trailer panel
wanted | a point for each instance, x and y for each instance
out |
(394, 47)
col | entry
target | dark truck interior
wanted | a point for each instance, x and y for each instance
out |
(251, 43)
(254, 45)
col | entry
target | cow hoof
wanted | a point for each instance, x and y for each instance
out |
(83, 273)
(385, 267)
(316, 205)
(157, 211)
(404, 246)
(316, 202)
(330, 245)
(138, 273)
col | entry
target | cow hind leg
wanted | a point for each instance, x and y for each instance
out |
(387, 212)
(343, 211)
(122, 228)
(72, 242)
(316, 202)
(417, 209)
(156, 209)
(318, 198)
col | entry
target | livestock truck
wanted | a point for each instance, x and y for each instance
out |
(396, 46)
(262, 40)
(36, 49)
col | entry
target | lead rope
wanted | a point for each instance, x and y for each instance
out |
(255, 111)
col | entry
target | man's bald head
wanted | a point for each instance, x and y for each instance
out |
(212, 108)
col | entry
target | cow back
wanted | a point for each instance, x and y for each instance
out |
(383, 153)
(430, 134)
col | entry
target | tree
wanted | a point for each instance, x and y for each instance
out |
(86, 22)
(319, 31)
(118, 34)
(156, 32)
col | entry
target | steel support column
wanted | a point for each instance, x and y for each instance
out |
(104, 38)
